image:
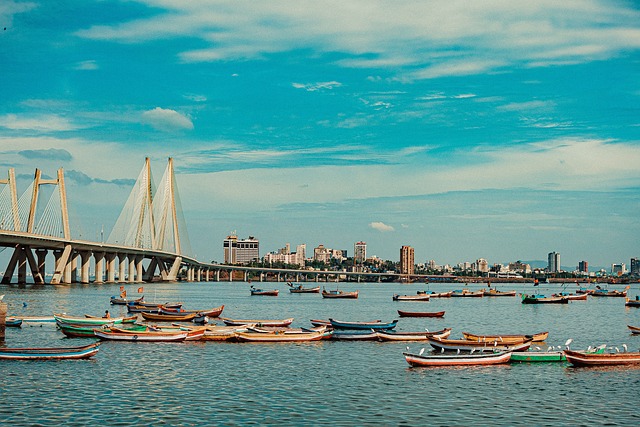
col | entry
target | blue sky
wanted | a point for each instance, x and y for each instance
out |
(494, 129)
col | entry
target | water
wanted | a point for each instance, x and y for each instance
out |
(317, 383)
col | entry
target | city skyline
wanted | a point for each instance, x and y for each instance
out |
(462, 130)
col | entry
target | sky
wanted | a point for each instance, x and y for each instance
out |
(497, 129)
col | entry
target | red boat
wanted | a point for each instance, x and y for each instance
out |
(339, 294)
(403, 313)
(273, 293)
(457, 359)
(213, 312)
(580, 358)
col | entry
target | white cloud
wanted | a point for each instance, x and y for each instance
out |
(166, 120)
(381, 227)
(86, 65)
(313, 87)
(40, 123)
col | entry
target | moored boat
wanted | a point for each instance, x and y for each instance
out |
(47, 353)
(158, 304)
(419, 297)
(412, 336)
(433, 294)
(273, 292)
(279, 336)
(338, 294)
(634, 329)
(418, 360)
(299, 289)
(377, 324)
(442, 344)
(12, 322)
(496, 293)
(158, 317)
(632, 303)
(549, 355)
(257, 322)
(86, 331)
(599, 292)
(193, 334)
(142, 336)
(124, 301)
(467, 293)
(403, 313)
(542, 299)
(355, 334)
(583, 358)
(212, 312)
(91, 320)
(506, 338)
(571, 297)
(36, 319)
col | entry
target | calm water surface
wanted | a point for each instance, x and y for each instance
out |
(319, 383)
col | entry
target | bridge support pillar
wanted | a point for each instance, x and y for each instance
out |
(41, 254)
(22, 266)
(231, 275)
(278, 277)
(246, 276)
(122, 266)
(74, 267)
(99, 271)
(139, 269)
(60, 262)
(206, 274)
(198, 274)
(85, 260)
(316, 278)
(111, 267)
(217, 275)
(132, 269)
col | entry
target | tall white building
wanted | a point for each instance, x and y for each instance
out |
(359, 252)
(241, 251)
(554, 262)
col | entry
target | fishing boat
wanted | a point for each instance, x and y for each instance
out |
(549, 355)
(299, 289)
(142, 336)
(279, 336)
(87, 331)
(355, 335)
(273, 293)
(91, 320)
(634, 329)
(403, 313)
(124, 301)
(158, 304)
(506, 338)
(419, 297)
(418, 360)
(131, 308)
(377, 324)
(48, 353)
(542, 299)
(442, 344)
(571, 297)
(212, 312)
(338, 294)
(220, 333)
(467, 293)
(36, 319)
(613, 293)
(193, 334)
(433, 294)
(583, 358)
(158, 317)
(585, 291)
(12, 322)
(257, 322)
(496, 293)
(320, 322)
(632, 303)
(412, 336)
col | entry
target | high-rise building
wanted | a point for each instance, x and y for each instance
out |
(554, 262)
(230, 246)
(634, 266)
(359, 252)
(482, 266)
(618, 269)
(247, 250)
(407, 264)
(322, 254)
(583, 267)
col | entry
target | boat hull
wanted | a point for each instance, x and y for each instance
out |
(526, 299)
(168, 317)
(466, 345)
(403, 313)
(141, 336)
(340, 294)
(52, 353)
(412, 336)
(419, 297)
(302, 290)
(257, 322)
(417, 360)
(278, 336)
(338, 324)
(507, 338)
(578, 358)
(538, 356)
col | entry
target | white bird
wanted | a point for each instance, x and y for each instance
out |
(1, 296)
(588, 349)
(625, 347)
(538, 348)
(549, 348)
(442, 350)
(472, 350)
(421, 351)
(617, 350)
(569, 341)
(458, 352)
(407, 348)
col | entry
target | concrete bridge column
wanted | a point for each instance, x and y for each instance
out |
(231, 275)
(111, 267)
(121, 267)
(217, 275)
(199, 274)
(22, 266)
(99, 272)
(206, 274)
(132, 269)
(3, 317)
(316, 278)
(68, 269)
(139, 269)
(278, 279)
(85, 260)
(42, 257)
(246, 276)
(261, 276)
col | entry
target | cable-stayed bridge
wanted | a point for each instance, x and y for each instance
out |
(149, 239)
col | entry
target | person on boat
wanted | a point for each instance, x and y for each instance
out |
(107, 315)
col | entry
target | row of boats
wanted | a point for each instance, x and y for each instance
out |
(299, 289)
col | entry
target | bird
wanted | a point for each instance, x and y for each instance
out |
(458, 352)
(538, 348)
(421, 351)
(442, 350)
(472, 350)
(617, 350)
(1, 296)
(625, 347)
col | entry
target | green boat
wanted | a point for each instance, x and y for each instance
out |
(547, 356)
(81, 331)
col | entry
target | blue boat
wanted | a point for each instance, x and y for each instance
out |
(376, 324)
(13, 322)
(542, 299)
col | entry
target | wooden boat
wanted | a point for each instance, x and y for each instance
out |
(467, 293)
(220, 333)
(86, 331)
(571, 297)
(419, 297)
(582, 358)
(355, 335)
(124, 301)
(134, 308)
(12, 322)
(279, 336)
(257, 322)
(143, 336)
(299, 289)
(49, 353)
(92, 320)
(541, 299)
(169, 317)
(442, 344)
(158, 304)
(213, 312)
(412, 336)
(506, 338)
(377, 324)
(634, 329)
(496, 293)
(418, 360)
(585, 291)
(339, 294)
(320, 322)
(273, 293)
(632, 303)
(433, 294)
(36, 319)
(193, 334)
(403, 313)
(546, 356)
(606, 293)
